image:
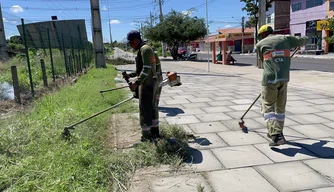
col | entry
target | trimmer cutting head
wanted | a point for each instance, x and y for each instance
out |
(242, 126)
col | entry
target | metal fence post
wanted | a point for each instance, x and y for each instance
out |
(65, 57)
(51, 58)
(45, 79)
(27, 55)
(16, 84)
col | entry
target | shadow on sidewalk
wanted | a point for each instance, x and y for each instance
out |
(171, 111)
(195, 156)
(315, 150)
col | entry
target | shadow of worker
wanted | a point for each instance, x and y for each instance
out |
(171, 111)
(315, 150)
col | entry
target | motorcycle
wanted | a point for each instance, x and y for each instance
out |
(187, 56)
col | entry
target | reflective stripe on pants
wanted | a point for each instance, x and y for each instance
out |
(273, 106)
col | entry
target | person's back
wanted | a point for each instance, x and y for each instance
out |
(274, 52)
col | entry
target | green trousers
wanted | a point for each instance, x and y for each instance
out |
(274, 98)
(149, 96)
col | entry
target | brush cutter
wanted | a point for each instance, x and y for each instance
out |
(66, 131)
(241, 122)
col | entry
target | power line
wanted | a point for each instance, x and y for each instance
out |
(132, 7)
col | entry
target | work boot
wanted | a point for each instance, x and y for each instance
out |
(155, 132)
(277, 140)
(146, 136)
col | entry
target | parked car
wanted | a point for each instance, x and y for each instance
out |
(182, 50)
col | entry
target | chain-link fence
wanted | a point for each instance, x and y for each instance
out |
(44, 51)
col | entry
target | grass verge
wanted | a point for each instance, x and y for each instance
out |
(34, 157)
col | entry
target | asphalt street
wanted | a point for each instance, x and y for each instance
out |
(325, 65)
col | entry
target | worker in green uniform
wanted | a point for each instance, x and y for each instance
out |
(147, 82)
(274, 52)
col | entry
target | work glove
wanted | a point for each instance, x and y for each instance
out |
(133, 86)
(126, 76)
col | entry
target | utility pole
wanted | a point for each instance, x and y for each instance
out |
(164, 53)
(262, 21)
(3, 43)
(262, 12)
(208, 33)
(100, 61)
(109, 25)
(151, 20)
(243, 34)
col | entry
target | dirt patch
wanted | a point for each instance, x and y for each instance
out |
(124, 132)
(163, 178)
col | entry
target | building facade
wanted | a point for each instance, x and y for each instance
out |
(278, 16)
(304, 17)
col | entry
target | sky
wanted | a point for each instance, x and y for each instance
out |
(123, 15)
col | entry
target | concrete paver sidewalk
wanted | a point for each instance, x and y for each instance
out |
(224, 158)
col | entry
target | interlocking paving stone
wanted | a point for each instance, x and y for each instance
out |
(243, 107)
(249, 123)
(187, 129)
(314, 96)
(235, 138)
(219, 109)
(329, 107)
(292, 176)
(240, 156)
(221, 98)
(285, 152)
(220, 103)
(323, 166)
(327, 115)
(195, 105)
(185, 119)
(183, 96)
(327, 189)
(322, 147)
(249, 115)
(199, 100)
(208, 127)
(308, 119)
(321, 101)
(314, 130)
(295, 97)
(242, 101)
(176, 101)
(213, 117)
(203, 160)
(239, 180)
(302, 109)
(173, 91)
(190, 111)
(298, 103)
(330, 125)
(207, 140)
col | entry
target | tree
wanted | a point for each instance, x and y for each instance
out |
(250, 23)
(177, 28)
(252, 9)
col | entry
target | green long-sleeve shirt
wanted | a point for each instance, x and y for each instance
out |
(274, 52)
(145, 66)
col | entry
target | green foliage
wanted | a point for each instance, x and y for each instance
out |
(251, 22)
(252, 9)
(119, 61)
(177, 28)
(331, 27)
(33, 155)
